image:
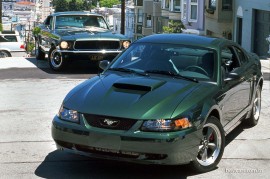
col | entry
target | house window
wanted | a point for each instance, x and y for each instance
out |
(227, 5)
(175, 6)
(139, 2)
(184, 10)
(212, 4)
(165, 4)
(193, 15)
(148, 21)
(140, 16)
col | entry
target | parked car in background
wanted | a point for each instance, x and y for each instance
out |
(11, 45)
(168, 99)
(66, 36)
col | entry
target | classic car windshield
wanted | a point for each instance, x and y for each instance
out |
(188, 61)
(80, 21)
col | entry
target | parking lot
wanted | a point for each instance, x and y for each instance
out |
(31, 95)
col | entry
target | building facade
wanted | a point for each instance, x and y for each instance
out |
(252, 25)
(219, 18)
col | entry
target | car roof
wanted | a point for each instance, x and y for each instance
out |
(75, 13)
(184, 39)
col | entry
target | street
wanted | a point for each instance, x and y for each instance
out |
(30, 96)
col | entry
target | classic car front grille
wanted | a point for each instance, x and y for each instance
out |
(109, 122)
(97, 45)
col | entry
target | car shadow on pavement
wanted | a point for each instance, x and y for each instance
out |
(59, 164)
(235, 132)
(74, 67)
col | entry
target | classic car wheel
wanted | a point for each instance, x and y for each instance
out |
(55, 60)
(256, 109)
(197, 68)
(40, 55)
(4, 54)
(211, 146)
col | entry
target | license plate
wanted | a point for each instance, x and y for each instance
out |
(96, 57)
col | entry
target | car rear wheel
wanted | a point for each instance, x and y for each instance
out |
(40, 55)
(56, 60)
(4, 54)
(256, 109)
(211, 146)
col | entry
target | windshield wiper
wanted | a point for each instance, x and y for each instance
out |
(128, 71)
(169, 73)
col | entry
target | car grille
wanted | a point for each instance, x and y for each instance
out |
(109, 122)
(97, 45)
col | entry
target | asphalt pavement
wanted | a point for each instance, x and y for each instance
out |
(31, 94)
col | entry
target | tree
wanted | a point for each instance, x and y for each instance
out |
(108, 3)
(174, 27)
(72, 5)
(60, 5)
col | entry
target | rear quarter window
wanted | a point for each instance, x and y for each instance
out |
(8, 38)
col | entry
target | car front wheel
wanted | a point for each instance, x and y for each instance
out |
(56, 60)
(211, 146)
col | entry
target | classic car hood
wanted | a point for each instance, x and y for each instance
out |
(129, 96)
(77, 34)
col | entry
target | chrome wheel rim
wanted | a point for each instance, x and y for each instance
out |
(210, 146)
(56, 59)
(257, 105)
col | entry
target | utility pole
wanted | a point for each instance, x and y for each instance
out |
(1, 12)
(123, 4)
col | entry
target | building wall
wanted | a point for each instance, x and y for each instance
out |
(218, 23)
(246, 9)
(199, 24)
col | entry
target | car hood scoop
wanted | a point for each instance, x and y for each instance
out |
(129, 96)
(133, 84)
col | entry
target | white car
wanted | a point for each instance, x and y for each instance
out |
(11, 45)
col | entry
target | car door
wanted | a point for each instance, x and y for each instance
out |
(235, 93)
(46, 33)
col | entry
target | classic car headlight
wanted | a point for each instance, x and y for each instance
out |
(163, 125)
(64, 44)
(126, 44)
(68, 115)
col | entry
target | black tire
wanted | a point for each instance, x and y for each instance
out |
(4, 54)
(56, 61)
(40, 55)
(256, 109)
(211, 147)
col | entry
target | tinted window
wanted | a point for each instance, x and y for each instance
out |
(11, 38)
(8, 38)
(241, 55)
(229, 59)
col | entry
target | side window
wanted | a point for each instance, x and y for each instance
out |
(229, 59)
(241, 55)
(11, 38)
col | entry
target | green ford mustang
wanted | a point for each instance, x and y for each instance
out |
(167, 99)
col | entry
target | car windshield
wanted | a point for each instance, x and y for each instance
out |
(170, 60)
(80, 21)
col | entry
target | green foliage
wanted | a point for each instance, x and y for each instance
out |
(1, 27)
(174, 27)
(36, 31)
(72, 5)
(108, 3)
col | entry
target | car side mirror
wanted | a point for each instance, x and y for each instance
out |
(232, 77)
(104, 64)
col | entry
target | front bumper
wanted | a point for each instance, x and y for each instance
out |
(133, 146)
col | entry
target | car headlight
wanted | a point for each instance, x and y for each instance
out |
(164, 125)
(126, 44)
(64, 45)
(68, 115)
